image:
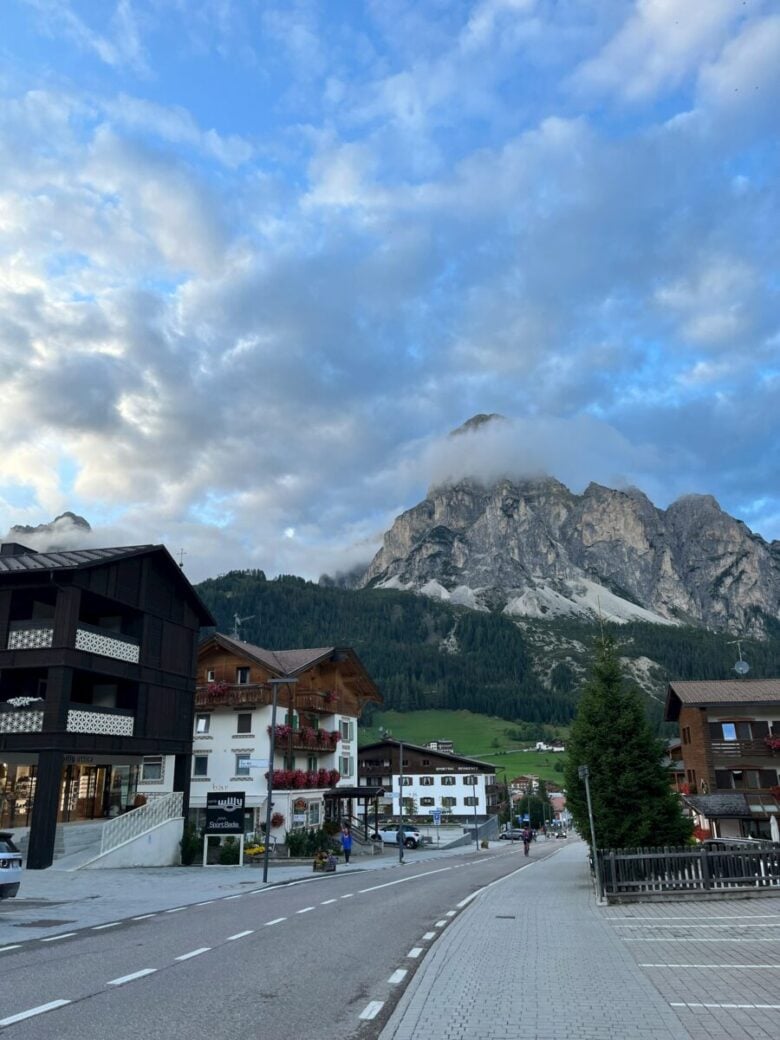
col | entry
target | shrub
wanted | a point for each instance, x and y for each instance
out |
(191, 844)
(229, 853)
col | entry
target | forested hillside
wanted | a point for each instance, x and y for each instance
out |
(427, 654)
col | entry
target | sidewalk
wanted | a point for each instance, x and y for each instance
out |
(533, 958)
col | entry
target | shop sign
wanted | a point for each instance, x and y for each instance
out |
(225, 812)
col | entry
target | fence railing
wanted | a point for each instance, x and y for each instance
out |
(627, 873)
(157, 810)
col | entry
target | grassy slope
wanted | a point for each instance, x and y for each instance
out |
(472, 735)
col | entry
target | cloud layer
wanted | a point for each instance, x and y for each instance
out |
(256, 262)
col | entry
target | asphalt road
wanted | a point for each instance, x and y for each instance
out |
(311, 960)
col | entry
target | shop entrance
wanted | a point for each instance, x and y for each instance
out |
(87, 792)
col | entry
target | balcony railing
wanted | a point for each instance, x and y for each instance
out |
(30, 635)
(218, 694)
(299, 780)
(21, 720)
(39, 635)
(307, 738)
(740, 748)
(115, 722)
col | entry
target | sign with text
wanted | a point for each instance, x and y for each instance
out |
(225, 812)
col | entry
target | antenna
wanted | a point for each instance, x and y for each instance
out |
(741, 667)
(238, 622)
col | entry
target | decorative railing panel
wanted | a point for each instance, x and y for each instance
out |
(232, 695)
(30, 635)
(158, 809)
(94, 720)
(21, 721)
(95, 640)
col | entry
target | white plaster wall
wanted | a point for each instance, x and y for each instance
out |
(158, 847)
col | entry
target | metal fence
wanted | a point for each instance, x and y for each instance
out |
(627, 873)
(157, 810)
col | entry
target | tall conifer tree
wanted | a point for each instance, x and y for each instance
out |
(633, 804)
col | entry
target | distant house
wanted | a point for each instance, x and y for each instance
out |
(730, 748)
(458, 785)
(522, 785)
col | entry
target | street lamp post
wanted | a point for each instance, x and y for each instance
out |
(400, 801)
(288, 680)
(474, 780)
(584, 774)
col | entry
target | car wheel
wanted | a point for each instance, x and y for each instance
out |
(410, 843)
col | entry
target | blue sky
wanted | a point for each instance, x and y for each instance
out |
(258, 259)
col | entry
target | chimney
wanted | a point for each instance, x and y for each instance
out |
(15, 549)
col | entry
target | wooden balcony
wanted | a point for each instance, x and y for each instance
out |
(741, 749)
(232, 695)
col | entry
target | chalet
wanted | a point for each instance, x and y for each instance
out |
(315, 738)
(97, 682)
(730, 746)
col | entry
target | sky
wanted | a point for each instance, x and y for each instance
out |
(258, 259)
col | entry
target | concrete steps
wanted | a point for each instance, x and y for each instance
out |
(71, 840)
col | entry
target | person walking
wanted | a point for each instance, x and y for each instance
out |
(346, 843)
(527, 837)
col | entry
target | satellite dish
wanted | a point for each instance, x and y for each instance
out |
(741, 667)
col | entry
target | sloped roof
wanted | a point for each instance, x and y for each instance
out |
(68, 559)
(715, 806)
(389, 742)
(720, 691)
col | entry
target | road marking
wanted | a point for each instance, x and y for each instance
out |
(349, 895)
(763, 1007)
(440, 924)
(773, 967)
(33, 1011)
(144, 917)
(451, 913)
(429, 935)
(56, 938)
(175, 910)
(276, 920)
(131, 978)
(205, 902)
(100, 927)
(398, 976)
(305, 910)
(369, 1011)
(193, 953)
(16, 946)
(402, 881)
(225, 898)
(415, 952)
(326, 901)
(239, 935)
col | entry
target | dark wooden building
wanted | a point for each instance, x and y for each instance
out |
(98, 652)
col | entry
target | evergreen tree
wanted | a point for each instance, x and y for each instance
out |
(633, 804)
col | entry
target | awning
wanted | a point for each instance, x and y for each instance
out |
(354, 792)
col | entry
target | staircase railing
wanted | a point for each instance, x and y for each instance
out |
(158, 809)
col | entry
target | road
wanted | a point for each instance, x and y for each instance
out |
(326, 957)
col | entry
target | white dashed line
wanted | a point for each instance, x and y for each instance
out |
(100, 927)
(193, 953)
(205, 902)
(429, 935)
(131, 978)
(239, 935)
(305, 910)
(56, 938)
(403, 881)
(175, 910)
(451, 913)
(16, 946)
(369, 1011)
(276, 920)
(349, 895)
(440, 924)
(144, 917)
(326, 901)
(398, 976)
(414, 953)
(33, 1011)
(762, 1007)
(233, 897)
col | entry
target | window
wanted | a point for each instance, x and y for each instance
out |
(427, 801)
(242, 676)
(200, 765)
(345, 765)
(210, 675)
(691, 775)
(759, 730)
(470, 800)
(242, 765)
(292, 720)
(311, 764)
(448, 781)
(426, 761)
(767, 777)
(244, 722)
(743, 730)
(729, 731)
(471, 781)
(426, 781)
(686, 735)
(723, 780)
(346, 727)
(152, 769)
(449, 803)
(202, 723)
(314, 812)
(407, 781)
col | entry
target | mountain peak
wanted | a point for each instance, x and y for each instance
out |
(476, 422)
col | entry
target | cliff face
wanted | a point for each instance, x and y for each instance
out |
(534, 548)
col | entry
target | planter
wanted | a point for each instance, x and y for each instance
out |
(327, 866)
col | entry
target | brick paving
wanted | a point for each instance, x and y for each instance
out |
(535, 957)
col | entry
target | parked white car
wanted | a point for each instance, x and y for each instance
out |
(10, 866)
(389, 836)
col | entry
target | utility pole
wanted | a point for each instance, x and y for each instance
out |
(274, 684)
(400, 801)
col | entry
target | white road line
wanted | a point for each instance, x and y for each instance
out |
(402, 881)
(16, 946)
(33, 1011)
(144, 917)
(451, 913)
(398, 976)
(205, 902)
(193, 953)
(225, 898)
(440, 924)
(349, 895)
(762, 1007)
(175, 910)
(415, 952)
(131, 978)
(668, 940)
(239, 935)
(100, 927)
(773, 967)
(369, 1011)
(305, 910)
(429, 935)
(326, 901)
(56, 938)
(276, 920)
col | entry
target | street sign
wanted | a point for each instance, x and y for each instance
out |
(436, 814)
(253, 763)
(225, 812)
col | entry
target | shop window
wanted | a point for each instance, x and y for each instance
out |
(448, 781)
(152, 769)
(244, 722)
(202, 723)
(200, 765)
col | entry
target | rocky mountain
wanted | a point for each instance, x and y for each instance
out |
(63, 532)
(533, 548)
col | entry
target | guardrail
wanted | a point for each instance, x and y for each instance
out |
(638, 873)
(158, 809)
